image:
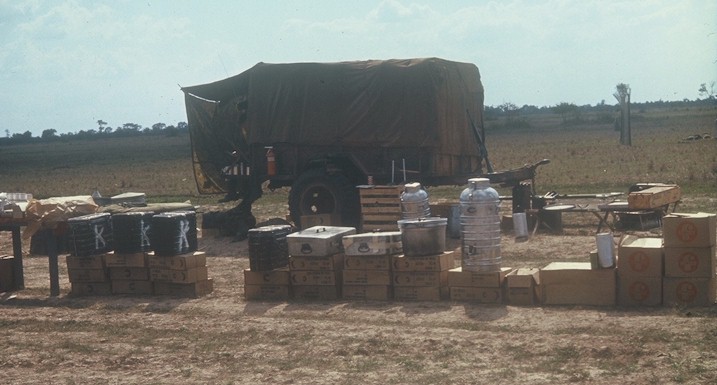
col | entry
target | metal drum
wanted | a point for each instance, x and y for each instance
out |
(174, 233)
(480, 227)
(268, 248)
(414, 202)
(424, 236)
(131, 232)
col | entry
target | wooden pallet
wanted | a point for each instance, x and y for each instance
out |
(380, 207)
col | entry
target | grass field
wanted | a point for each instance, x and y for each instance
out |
(224, 339)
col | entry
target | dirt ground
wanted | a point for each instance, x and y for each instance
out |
(223, 339)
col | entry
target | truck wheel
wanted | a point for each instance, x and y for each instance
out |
(315, 192)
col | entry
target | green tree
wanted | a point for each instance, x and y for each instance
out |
(708, 92)
(49, 133)
(566, 110)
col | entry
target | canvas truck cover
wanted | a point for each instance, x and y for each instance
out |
(421, 103)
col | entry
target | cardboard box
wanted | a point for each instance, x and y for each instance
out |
(132, 287)
(273, 277)
(458, 277)
(689, 291)
(477, 294)
(126, 260)
(87, 275)
(7, 275)
(639, 291)
(129, 273)
(695, 262)
(367, 292)
(420, 293)
(184, 290)
(439, 262)
(575, 283)
(315, 278)
(90, 288)
(368, 262)
(316, 292)
(324, 263)
(270, 292)
(89, 262)
(689, 230)
(640, 256)
(653, 197)
(367, 277)
(178, 262)
(523, 286)
(180, 276)
(420, 278)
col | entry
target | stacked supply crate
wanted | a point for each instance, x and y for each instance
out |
(127, 265)
(89, 239)
(422, 277)
(175, 266)
(316, 262)
(690, 261)
(367, 265)
(380, 207)
(477, 286)
(268, 275)
(640, 271)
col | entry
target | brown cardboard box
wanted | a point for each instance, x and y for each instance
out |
(689, 230)
(132, 287)
(368, 262)
(185, 290)
(178, 262)
(7, 276)
(439, 262)
(420, 293)
(89, 262)
(113, 259)
(87, 275)
(689, 291)
(325, 263)
(129, 273)
(523, 286)
(420, 278)
(575, 283)
(367, 292)
(638, 290)
(90, 288)
(366, 277)
(315, 278)
(640, 256)
(316, 292)
(695, 262)
(179, 276)
(477, 294)
(653, 197)
(458, 277)
(274, 277)
(269, 292)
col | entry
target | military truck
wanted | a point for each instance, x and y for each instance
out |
(323, 129)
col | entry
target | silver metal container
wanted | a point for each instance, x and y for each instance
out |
(423, 236)
(480, 227)
(318, 241)
(414, 202)
(374, 243)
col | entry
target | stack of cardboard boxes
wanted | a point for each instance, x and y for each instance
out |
(690, 262)
(88, 275)
(268, 274)
(477, 286)
(316, 262)
(422, 278)
(183, 275)
(640, 271)
(368, 265)
(129, 273)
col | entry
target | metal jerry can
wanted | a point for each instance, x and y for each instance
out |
(375, 243)
(318, 241)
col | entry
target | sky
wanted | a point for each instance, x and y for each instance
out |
(64, 65)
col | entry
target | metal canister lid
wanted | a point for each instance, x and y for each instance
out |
(422, 222)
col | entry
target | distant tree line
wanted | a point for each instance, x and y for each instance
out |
(103, 131)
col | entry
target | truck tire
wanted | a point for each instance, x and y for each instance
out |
(316, 192)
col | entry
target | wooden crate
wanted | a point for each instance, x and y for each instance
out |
(380, 207)
(653, 197)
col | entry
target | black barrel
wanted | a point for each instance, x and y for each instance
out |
(132, 232)
(90, 234)
(268, 248)
(174, 233)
